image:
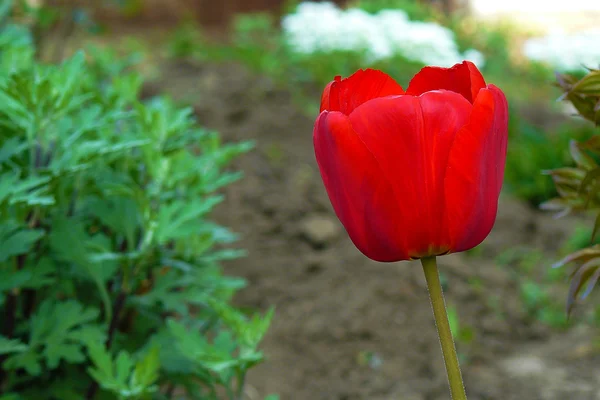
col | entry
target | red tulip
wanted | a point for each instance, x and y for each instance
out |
(414, 173)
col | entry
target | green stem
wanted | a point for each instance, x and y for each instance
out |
(241, 381)
(436, 295)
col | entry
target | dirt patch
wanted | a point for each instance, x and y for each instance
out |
(347, 328)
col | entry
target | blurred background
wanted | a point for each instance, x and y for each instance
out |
(346, 328)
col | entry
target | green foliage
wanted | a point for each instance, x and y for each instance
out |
(580, 239)
(524, 260)
(257, 42)
(578, 184)
(184, 41)
(416, 10)
(110, 281)
(124, 376)
(545, 150)
(535, 284)
(462, 333)
(584, 93)
(541, 305)
(58, 331)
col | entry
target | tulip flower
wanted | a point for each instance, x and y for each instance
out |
(414, 174)
(418, 173)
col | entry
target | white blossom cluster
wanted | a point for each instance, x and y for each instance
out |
(566, 52)
(323, 27)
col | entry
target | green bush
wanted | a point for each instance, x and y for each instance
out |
(110, 281)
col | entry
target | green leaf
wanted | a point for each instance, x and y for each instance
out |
(123, 366)
(588, 85)
(28, 360)
(172, 361)
(16, 111)
(11, 396)
(123, 376)
(32, 276)
(8, 346)
(596, 227)
(200, 284)
(5, 8)
(217, 358)
(59, 331)
(7, 184)
(248, 331)
(222, 255)
(453, 321)
(68, 241)
(126, 145)
(103, 366)
(31, 191)
(181, 219)
(589, 178)
(582, 159)
(580, 256)
(120, 214)
(70, 387)
(71, 70)
(16, 240)
(585, 274)
(12, 147)
(146, 372)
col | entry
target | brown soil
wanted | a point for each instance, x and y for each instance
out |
(347, 328)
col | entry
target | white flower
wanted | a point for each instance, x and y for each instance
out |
(324, 27)
(566, 52)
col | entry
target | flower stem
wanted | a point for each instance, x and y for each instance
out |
(436, 295)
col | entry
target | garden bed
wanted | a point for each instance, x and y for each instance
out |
(347, 328)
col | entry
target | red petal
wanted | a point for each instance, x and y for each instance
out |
(411, 138)
(361, 197)
(463, 78)
(345, 95)
(476, 170)
(325, 96)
